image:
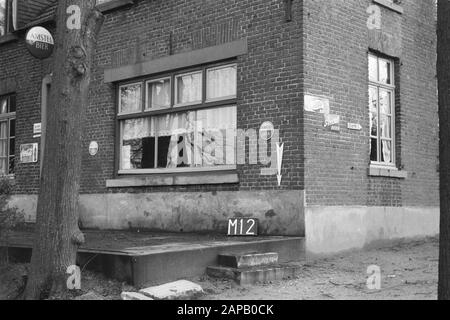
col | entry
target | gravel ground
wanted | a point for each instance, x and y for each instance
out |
(409, 271)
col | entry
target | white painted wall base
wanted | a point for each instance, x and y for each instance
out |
(328, 230)
(333, 229)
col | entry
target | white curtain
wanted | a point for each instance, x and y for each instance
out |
(387, 153)
(221, 83)
(189, 88)
(218, 126)
(178, 125)
(160, 94)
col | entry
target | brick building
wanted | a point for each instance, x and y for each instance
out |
(349, 87)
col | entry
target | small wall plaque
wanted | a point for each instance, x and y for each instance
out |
(29, 153)
(354, 126)
(93, 148)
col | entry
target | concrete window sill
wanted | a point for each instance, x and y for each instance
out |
(390, 5)
(208, 178)
(114, 4)
(387, 172)
(8, 38)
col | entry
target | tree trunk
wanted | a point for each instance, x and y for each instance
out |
(57, 234)
(443, 72)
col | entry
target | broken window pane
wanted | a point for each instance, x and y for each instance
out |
(138, 144)
(373, 149)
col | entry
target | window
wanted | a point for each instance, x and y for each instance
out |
(382, 110)
(183, 121)
(7, 134)
(8, 21)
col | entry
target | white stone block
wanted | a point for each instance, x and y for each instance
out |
(134, 296)
(178, 290)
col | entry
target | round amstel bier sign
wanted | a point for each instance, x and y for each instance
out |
(40, 42)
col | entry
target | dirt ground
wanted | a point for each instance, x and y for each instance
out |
(409, 270)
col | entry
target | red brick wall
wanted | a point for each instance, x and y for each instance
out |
(269, 79)
(336, 42)
(24, 74)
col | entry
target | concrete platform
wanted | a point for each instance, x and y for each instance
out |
(148, 258)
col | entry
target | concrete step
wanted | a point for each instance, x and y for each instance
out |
(240, 261)
(254, 275)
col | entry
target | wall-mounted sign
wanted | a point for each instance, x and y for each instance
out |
(354, 126)
(37, 130)
(243, 227)
(266, 131)
(29, 153)
(93, 148)
(39, 42)
(317, 104)
(332, 122)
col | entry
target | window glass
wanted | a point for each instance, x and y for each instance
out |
(3, 147)
(138, 140)
(373, 110)
(158, 94)
(130, 98)
(189, 88)
(2, 17)
(373, 68)
(385, 101)
(202, 138)
(217, 146)
(3, 105)
(386, 151)
(381, 112)
(221, 82)
(385, 71)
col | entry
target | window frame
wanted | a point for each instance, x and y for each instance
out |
(8, 117)
(391, 88)
(174, 108)
(6, 22)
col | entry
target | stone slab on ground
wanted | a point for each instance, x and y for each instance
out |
(248, 260)
(178, 290)
(134, 296)
(254, 275)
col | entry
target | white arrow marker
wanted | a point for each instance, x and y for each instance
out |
(280, 150)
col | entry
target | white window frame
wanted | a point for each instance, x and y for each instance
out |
(147, 107)
(175, 93)
(207, 84)
(390, 88)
